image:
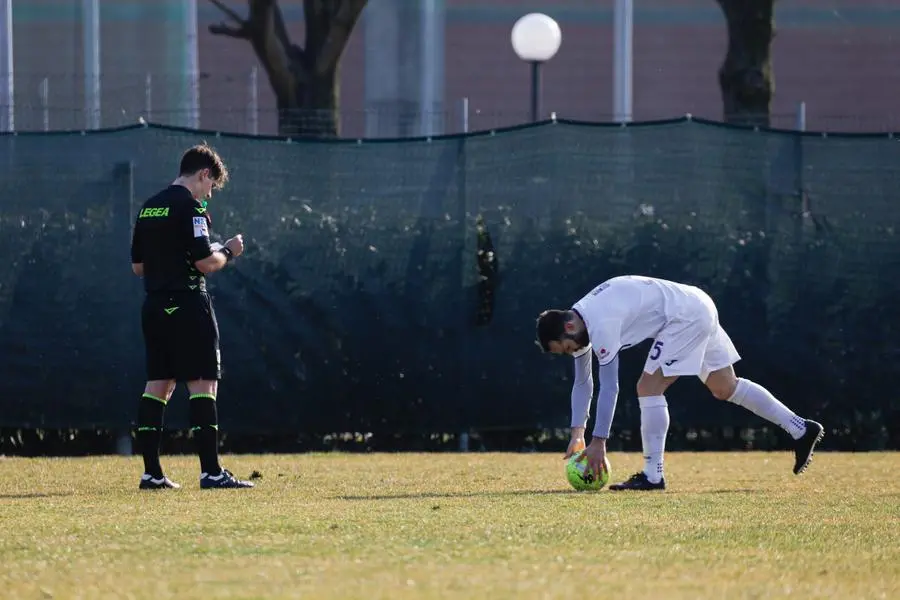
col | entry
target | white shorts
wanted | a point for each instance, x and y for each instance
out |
(694, 344)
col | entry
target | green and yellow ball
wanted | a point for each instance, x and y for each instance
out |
(581, 480)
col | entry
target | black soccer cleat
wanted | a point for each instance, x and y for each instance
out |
(223, 480)
(148, 482)
(639, 481)
(804, 447)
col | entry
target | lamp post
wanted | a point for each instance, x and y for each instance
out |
(536, 39)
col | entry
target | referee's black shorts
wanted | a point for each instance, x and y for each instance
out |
(181, 337)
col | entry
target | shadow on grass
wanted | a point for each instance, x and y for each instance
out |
(30, 495)
(436, 495)
(726, 491)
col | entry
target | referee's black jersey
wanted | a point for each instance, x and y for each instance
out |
(171, 233)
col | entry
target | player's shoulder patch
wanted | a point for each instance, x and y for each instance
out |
(200, 227)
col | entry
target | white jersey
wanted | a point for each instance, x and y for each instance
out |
(625, 311)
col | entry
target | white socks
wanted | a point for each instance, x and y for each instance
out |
(752, 396)
(654, 426)
(759, 401)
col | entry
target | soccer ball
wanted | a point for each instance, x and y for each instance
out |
(581, 481)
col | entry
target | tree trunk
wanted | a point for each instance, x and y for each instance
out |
(304, 80)
(745, 76)
(315, 112)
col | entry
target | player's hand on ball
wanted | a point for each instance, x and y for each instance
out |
(576, 445)
(595, 455)
(236, 245)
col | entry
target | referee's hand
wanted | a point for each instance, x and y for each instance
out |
(236, 245)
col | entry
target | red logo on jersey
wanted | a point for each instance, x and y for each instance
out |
(602, 350)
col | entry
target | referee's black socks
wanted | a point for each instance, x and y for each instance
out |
(205, 427)
(151, 410)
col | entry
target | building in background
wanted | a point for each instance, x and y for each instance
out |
(840, 59)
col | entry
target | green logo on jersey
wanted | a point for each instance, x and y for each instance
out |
(200, 209)
(170, 310)
(148, 213)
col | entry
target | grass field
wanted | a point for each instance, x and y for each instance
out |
(397, 526)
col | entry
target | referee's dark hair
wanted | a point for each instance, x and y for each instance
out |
(551, 327)
(202, 156)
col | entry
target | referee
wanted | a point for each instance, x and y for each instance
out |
(170, 250)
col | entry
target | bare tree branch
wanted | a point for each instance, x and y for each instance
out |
(316, 24)
(338, 33)
(273, 48)
(228, 12)
(281, 31)
(240, 33)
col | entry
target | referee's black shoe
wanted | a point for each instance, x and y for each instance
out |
(805, 446)
(223, 480)
(149, 482)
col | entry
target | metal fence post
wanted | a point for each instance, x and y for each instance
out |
(253, 101)
(461, 195)
(44, 94)
(148, 97)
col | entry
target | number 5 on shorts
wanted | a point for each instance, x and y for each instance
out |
(656, 350)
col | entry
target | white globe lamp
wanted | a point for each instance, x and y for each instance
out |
(535, 39)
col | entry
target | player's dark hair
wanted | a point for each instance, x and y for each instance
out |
(551, 327)
(201, 157)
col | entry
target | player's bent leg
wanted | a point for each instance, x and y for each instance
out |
(151, 413)
(721, 382)
(654, 384)
(651, 388)
(761, 402)
(205, 429)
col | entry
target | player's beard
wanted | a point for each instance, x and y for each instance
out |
(581, 338)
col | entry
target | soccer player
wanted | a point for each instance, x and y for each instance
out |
(170, 249)
(684, 323)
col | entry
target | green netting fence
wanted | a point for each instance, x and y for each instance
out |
(392, 285)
